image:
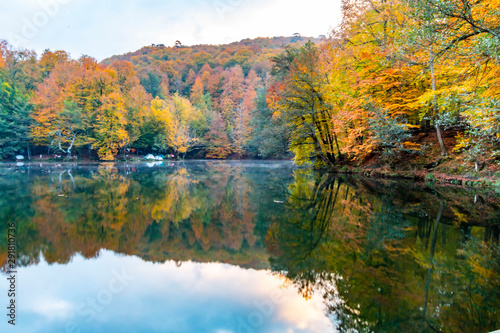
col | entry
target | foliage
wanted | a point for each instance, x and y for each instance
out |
(110, 127)
(429, 65)
(14, 121)
(388, 134)
(298, 96)
(219, 146)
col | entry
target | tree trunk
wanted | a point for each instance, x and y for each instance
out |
(442, 206)
(444, 152)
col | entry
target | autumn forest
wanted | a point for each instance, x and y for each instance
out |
(344, 180)
(368, 89)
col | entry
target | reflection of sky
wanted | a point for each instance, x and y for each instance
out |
(194, 297)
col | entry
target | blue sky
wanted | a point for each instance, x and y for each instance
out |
(107, 27)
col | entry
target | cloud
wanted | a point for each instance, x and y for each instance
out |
(105, 28)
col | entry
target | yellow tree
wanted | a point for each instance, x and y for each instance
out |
(175, 119)
(110, 129)
(365, 74)
(299, 96)
(467, 35)
(137, 100)
(155, 125)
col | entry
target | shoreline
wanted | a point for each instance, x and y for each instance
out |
(479, 180)
(424, 176)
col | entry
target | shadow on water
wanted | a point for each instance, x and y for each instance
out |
(387, 256)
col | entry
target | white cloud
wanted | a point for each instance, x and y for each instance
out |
(104, 28)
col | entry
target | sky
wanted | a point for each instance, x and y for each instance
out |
(102, 28)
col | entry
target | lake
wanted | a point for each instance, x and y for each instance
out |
(206, 246)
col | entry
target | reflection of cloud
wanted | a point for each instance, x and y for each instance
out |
(50, 308)
(192, 298)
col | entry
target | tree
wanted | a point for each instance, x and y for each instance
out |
(157, 125)
(197, 92)
(232, 94)
(270, 134)
(67, 126)
(110, 128)
(428, 32)
(50, 60)
(466, 36)
(15, 112)
(20, 68)
(49, 103)
(3, 51)
(388, 134)
(182, 136)
(298, 95)
(218, 143)
(152, 84)
(242, 130)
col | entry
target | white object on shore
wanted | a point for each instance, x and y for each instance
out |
(158, 158)
(149, 157)
(19, 157)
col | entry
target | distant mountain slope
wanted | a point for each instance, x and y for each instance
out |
(176, 67)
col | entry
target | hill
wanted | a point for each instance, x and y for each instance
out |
(205, 100)
(177, 67)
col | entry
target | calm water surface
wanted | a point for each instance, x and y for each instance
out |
(245, 247)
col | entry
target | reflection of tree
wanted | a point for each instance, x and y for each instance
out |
(367, 246)
(177, 197)
(16, 206)
(204, 213)
(353, 243)
(303, 229)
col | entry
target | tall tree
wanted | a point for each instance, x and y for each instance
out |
(110, 127)
(15, 112)
(242, 130)
(218, 143)
(299, 96)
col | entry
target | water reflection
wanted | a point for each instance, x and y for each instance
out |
(382, 256)
(392, 257)
(126, 294)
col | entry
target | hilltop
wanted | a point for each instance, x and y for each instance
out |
(175, 67)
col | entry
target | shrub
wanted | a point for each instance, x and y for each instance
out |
(389, 134)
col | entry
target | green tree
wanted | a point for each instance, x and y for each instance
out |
(14, 121)
(152, 84)
(271, 135)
